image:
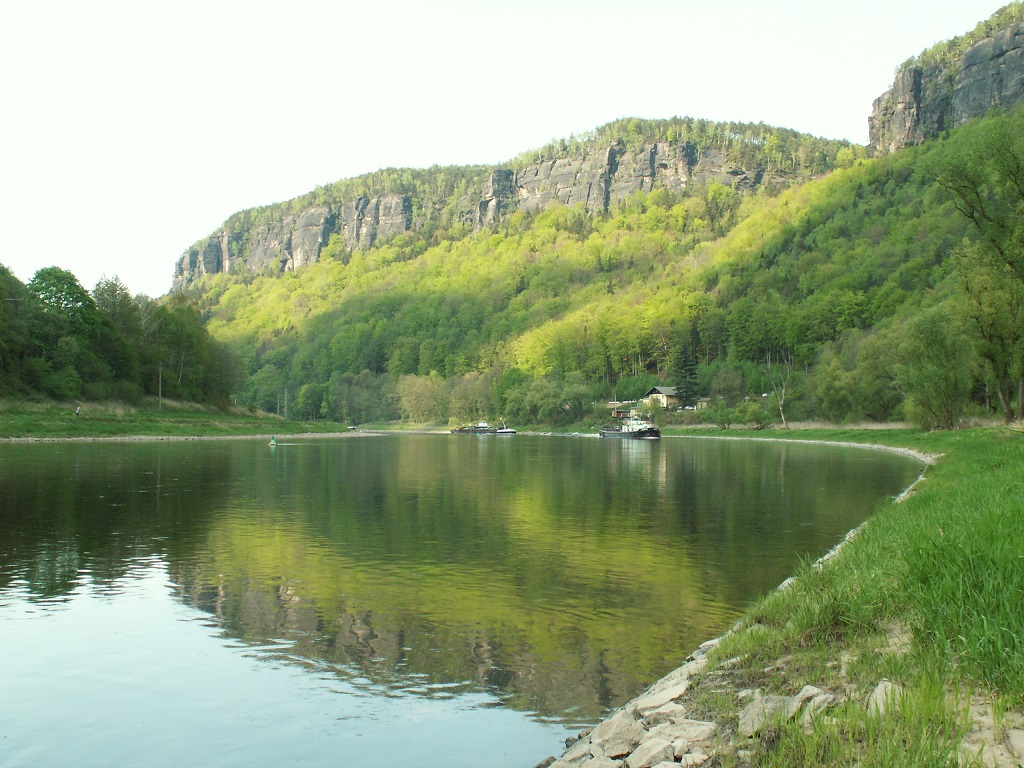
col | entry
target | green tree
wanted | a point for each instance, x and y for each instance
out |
(266, 388)
(70, 334)
(470, 397)
(576, 396)
(684, 372)
(60, 293)
(938, 368)
(752, 413)
(831, 387)
(993, 301)
(122, 341)
(727, 384)
(113, 299)
(542, 401)
(720, 414)
(361, 398)
(19, 325)
(307, 402)
(184, 351)
(982, 170)
(720, 203)
(421, 398)
(872, 383)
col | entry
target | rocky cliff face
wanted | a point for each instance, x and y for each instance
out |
(596, 181)
(923, 102)
(295, 241)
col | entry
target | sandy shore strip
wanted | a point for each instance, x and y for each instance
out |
(927, 458)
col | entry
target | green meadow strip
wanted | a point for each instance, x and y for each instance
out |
(41, 421)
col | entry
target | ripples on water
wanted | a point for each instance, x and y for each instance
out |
(433, 600)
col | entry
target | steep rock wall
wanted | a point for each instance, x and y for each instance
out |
(296, 241)
(596, 181)
(923, 102)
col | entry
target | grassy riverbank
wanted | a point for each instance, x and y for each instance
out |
(20, 419)
(928, 595)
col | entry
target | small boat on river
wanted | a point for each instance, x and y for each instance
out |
(504, 429)
(633, 428)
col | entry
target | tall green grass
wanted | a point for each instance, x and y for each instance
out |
(946, 569)
(948, 563)
(965, 585)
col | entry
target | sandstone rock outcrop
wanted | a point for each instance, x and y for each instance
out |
(295, 241)
(596, 181)
(924, 101)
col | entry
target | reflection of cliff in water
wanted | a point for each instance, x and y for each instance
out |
(413, 654)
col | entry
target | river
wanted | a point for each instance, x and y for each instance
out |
(375, 600)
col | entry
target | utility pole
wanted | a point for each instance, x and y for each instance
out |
(160, 387)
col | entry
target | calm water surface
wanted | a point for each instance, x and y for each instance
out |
(431, 600)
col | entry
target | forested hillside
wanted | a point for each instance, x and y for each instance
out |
(820, 296)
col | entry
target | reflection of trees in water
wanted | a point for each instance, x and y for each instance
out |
(561, 575)
(432, 563)
(569, 577)
(766, 505)
(74, 512)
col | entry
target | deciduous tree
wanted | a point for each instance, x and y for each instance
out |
(938, 363)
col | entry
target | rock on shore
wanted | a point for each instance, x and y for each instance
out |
(650, 730)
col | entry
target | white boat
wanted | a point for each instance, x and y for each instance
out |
(504, 429)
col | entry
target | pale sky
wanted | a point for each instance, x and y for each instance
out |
(132, 129)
